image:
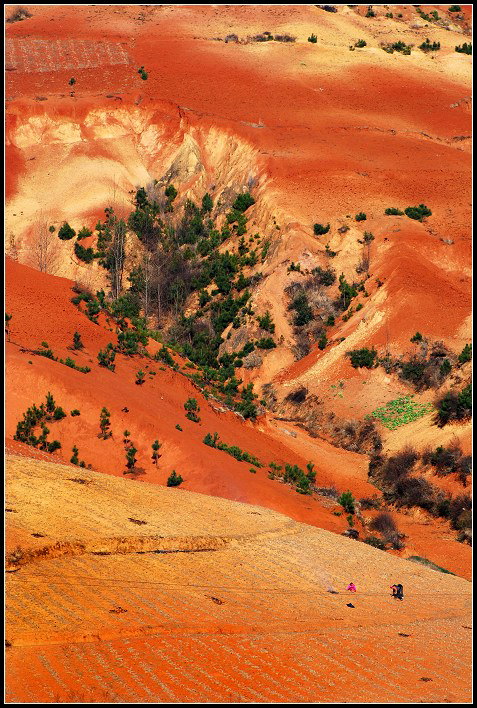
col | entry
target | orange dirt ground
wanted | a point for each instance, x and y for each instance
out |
(324, 133)
(238, 610)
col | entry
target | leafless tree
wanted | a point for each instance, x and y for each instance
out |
(45, 249)
(146, 266)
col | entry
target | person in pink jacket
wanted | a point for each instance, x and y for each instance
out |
(351, 587)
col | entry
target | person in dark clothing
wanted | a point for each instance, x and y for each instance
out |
(397, 591)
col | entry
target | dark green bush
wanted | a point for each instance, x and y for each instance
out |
(361, 216)
(465, 48)
(207, 203)
(66, 232)
(77, 343)
(452, 406)
(266, 322)
(313, 38)
(418, 213)
(324, 276)
(362, 358)
(243, 202)
(107, 356)
(265, 343)
(84, 233)
(347, 501)
(466, 354)
(392, 211)
(429, 46)
(84, 254)
(375, 542)
(319, 229)
(174, 479)
(304, 313)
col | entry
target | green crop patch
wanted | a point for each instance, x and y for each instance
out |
(400, 412)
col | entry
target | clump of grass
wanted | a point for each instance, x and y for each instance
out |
(400, 411)
(429, 564)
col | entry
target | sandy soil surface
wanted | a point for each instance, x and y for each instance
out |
(258, 608)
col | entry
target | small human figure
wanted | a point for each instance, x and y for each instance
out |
(351, 587)
(397, 591)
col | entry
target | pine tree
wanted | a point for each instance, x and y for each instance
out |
(77, 343)
(131, 457)
(105, 424)
(156, 445)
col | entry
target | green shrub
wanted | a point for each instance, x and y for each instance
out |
(211, 440)
(294, 267)
(455, 8)
(416, 338)
(105, 424)
(74, 458)
(360, 43)
(361, 216)
(319, 229)
(207, 203)
(243, 202)
(323, 341)
(324, 276)
(313, 38)
(465, 48)
(75, 412)
(375, 542)
(265, 343)
(453, 406)
(66, 232)
(131, 457)
(348, 292)
(84, 254)
(174, 480)
(466, 354)
(107, 356)
(362, 358)
(304, 313)
(84, 233)
(129, 340)
(392, 211)
(165, 356)
(192, 408)
(429, 46)
(418, 213)
(266, 322)
(347, 501)
(58, 413)
(445, 367)
(77, 343)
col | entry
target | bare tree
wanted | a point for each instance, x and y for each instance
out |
(44, 247)
(13, 247)
(147, 271)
